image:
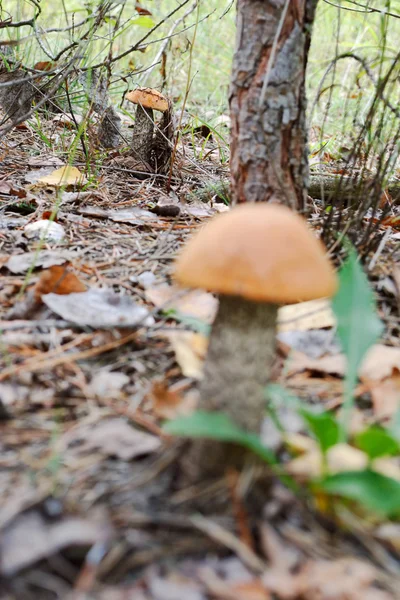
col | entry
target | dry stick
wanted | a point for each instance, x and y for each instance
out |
(188, 85)
(59, 80)
(366, 9)
(227, 539)
(167, 40)
(32, 366)
(136, 46)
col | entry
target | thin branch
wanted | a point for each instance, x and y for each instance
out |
(140, 42)
(167, 39)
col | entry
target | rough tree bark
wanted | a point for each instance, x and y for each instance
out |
(267, 101)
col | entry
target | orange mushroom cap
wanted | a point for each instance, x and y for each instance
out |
(262, 252)
(148, 98)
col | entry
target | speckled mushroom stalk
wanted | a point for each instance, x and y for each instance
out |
(142, 134)
(239, 360)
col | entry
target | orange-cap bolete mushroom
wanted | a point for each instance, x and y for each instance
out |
(256, 257)
(147, 100)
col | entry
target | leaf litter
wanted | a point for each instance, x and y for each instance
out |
(86, 383)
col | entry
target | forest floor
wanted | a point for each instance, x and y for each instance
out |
(98, 348)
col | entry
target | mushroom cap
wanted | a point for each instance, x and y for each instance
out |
(148, 98)
(262, 252)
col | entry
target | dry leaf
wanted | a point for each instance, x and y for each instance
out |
(44, 229)
(98, 308)
(169, 403)
(194, 303)
(58, 280)
(47, 533)
(20, 263)
(378, 364)
(342, 579)
(190, 349)
(339, 458)
(385, 395)
(62, 177)
(142, 11)
(106, 384)
(110, 437)
(315, 343)
(134, 215)
(315, 314)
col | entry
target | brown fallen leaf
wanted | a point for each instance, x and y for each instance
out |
(142, 11)
(58, 280)
(169, 403)
(44, 65)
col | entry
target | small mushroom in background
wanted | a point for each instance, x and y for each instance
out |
(143, 140)
(256, 257)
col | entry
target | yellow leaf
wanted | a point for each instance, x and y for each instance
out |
(190, 349)
(63, 177)
(315, 314)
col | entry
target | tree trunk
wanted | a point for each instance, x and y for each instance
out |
(267, 101)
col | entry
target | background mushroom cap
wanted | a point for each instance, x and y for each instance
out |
(148, 98)
(263, 252)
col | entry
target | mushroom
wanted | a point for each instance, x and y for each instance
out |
(147, 100)
(256, 257)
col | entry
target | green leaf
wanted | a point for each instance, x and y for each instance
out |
(324, 427)
(144, 21)
(218, 426)
(376, 492)
(358, 324)
(376, 441)
(354, 306)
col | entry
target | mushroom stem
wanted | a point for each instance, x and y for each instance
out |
(239, 360)
(142, 134)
